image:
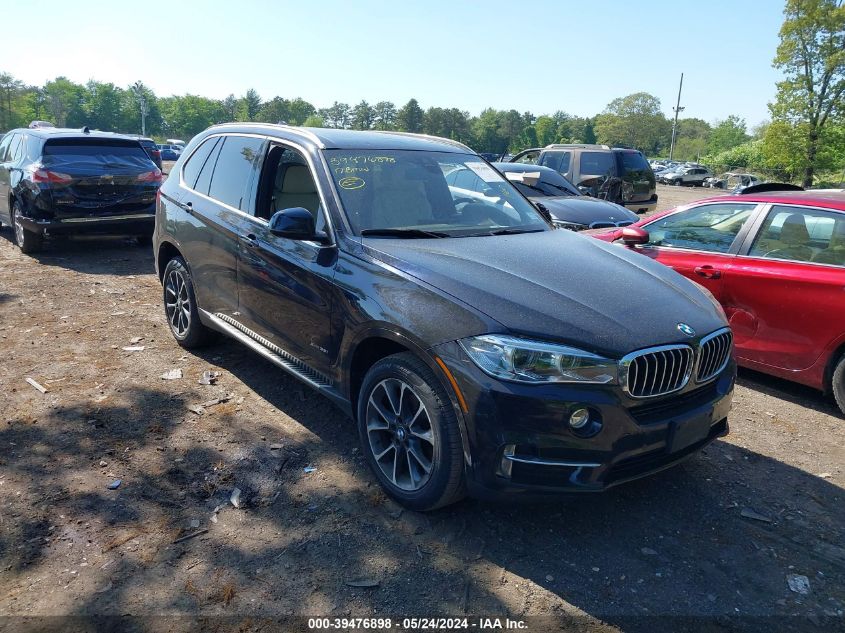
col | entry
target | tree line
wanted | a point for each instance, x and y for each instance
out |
(632, 121)
(806, 133)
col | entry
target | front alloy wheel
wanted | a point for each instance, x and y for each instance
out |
(400, 435)
(410, 434)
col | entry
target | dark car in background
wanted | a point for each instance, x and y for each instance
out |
(569, 208)
(617, 174)
(56, 182)
(151, 148)
(476, 348)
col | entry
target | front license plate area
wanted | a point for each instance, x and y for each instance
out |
(688, 432)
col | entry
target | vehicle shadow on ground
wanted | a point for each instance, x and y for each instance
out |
(100, 256)
(793, 392)
(675, 544)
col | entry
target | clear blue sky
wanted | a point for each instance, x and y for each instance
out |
(540, 56)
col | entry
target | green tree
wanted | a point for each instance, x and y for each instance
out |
(385, 115)
(10, 89)
(410, 117)
(362, 116)
(727, 134)
(230, 107)
(634, 121)
(811, 55)
(277, 110)
(299, 110)
(691, 138)
(336, 116)
(545, 129)
(314, 120)
(252, 101)
(64, 102)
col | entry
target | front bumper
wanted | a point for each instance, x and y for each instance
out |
(520, 441)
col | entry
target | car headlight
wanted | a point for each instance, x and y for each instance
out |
(521, 360)
(569, 226)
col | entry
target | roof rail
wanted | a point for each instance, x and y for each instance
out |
(576, 146)
(448, 141)
(292, 128)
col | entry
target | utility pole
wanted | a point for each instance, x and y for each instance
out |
(678, 109)
(138, 89)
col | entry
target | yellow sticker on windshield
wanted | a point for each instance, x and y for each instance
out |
(351, 182)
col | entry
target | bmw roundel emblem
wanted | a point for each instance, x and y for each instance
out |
(686, 329)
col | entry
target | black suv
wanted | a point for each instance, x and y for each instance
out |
(616, 174)
(56, 182)
(475, 346)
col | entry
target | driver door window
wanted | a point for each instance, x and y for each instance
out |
(711, 228)
(287, 182)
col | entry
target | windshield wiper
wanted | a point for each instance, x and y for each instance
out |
(510, 231)
(406, 233)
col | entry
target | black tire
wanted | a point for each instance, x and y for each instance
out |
(443, 483)
(27, 241)
(180, 306)
(677, 182)
(838, 383)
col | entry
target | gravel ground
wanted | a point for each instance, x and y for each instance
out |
(711, 543)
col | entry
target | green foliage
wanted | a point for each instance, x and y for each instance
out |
(811, 55)
(634, 121)
(727, 134)
(410, 117)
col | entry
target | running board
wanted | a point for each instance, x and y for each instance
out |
(268, 350)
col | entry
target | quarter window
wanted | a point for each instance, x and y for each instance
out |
(559, 161)
(710, 227)
(803, 235)
(204, 179)
(192, 169)
(232, 176)
(4, 146)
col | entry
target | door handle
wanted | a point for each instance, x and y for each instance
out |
(708, 272)
(250, 239)
(188, 207)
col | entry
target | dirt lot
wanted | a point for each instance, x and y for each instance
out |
(708, 545)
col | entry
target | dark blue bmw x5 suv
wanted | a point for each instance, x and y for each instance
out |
(476, 347)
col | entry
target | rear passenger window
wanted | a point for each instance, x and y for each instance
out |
(803, 235)
(597, 164)
(233, 171)
(192, 169)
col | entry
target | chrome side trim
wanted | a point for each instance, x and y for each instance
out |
(106, 218)
(268, 350)
(536, 461)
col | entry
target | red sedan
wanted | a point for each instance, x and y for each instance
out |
(776, 263)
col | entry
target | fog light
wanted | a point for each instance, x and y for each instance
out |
(579, 418)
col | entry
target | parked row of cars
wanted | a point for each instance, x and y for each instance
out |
(427, 293)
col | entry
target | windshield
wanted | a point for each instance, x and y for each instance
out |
(427, 194)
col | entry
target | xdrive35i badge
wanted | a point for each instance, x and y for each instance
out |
(686, 329)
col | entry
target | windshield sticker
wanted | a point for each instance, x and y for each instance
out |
(343, 161)
(350, 170)
(484, 171)
(351, 182)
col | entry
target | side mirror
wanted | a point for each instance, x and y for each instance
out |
(295, 223)
(633, 236)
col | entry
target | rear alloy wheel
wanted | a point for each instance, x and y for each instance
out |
(410, 434)
(27, 241)
(180, 306)
(677, 182)
(838, 383)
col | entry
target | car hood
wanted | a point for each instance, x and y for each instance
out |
(559, 286)
(586, 210)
